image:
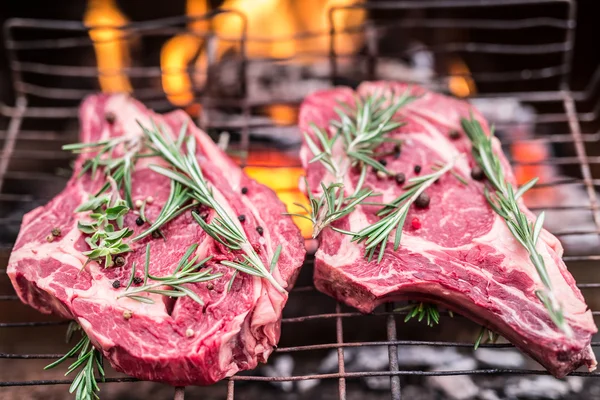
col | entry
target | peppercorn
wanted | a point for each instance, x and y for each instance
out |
(56, 232)
(139, 221)
(116, 284)
(397, 148)
(422, 200)
(416, 223)
(260, 230)
(210, 286)
(477, 173)
(127, 314)
(383, 162)
(137, 280)
(417, 169)
(110, 117)
(454, 134)
(120, 261)
(155, 234)
(244, 190)
(49, 238)
(381, 175)
(242, 218)
(400, 178)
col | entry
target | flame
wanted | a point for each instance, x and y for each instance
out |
(271, 25)
(110, 45)
(178, 52)
(282, 113)
(460, 83)
(535, 153)
(286, 187)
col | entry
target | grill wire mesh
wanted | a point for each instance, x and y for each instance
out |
(43, 118)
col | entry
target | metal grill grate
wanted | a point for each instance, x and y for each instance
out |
(45, 107)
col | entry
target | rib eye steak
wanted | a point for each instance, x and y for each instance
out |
(456, 251)
(172, 340)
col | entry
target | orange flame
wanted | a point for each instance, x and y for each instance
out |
(459, 83)
(179, 52)
(104, 19)
(271, 27)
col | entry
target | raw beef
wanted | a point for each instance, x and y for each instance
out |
(176, 341)
(459, 254)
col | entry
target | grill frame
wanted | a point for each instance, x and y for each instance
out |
(568, 100)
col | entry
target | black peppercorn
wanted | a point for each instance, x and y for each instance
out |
(155, 234)
(56, 232)
(417, 169)
(137, 280)
(477, 173)
(120, 261)
(383, 162)
(397, 148)
(422, 201)
(454, 134)
(244, 190)
(260, 230)
(400, 178)
(139, 221)
(210, 286)
(110, 117)
(242, 218)
(116, 284)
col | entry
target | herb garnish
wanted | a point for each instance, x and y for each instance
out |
(491, 337)
(331, 206)
(119, 168)
(421, 311)
(89, 358)
(105, 241)
(186, 171)
(504, 201)
(394, 215)
(361, 131)
(188, 270)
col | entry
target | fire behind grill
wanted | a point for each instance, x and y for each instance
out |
(536, 53)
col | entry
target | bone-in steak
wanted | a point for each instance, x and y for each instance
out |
(458, 252)
(176, 341)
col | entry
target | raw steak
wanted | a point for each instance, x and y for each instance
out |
(173, 341)
(462, 256)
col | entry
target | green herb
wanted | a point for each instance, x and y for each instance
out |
(491, 337)
(186, 171)
(331, 206)
(188, 270)
(119, 168)
(504, 201)
(422, 311)
(105, 242)
(362, 130)
(376, 236)
(85, 385)
(174, 206)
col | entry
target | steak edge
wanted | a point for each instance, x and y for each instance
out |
(461, 254)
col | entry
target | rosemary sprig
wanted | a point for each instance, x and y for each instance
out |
(188, 270)
(175, 205)
(331, 206)
(186, 171)
(394, 215)
(422, 311)
(119, 168)
(491, 337)
(89, 359)
(105, 242)
(362, 130)
(504, 201)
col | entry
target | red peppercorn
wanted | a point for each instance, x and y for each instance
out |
(416, 223)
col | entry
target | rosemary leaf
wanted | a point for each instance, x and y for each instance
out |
(503, 200)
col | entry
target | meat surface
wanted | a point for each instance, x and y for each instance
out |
(175, 341)
(460, 253)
